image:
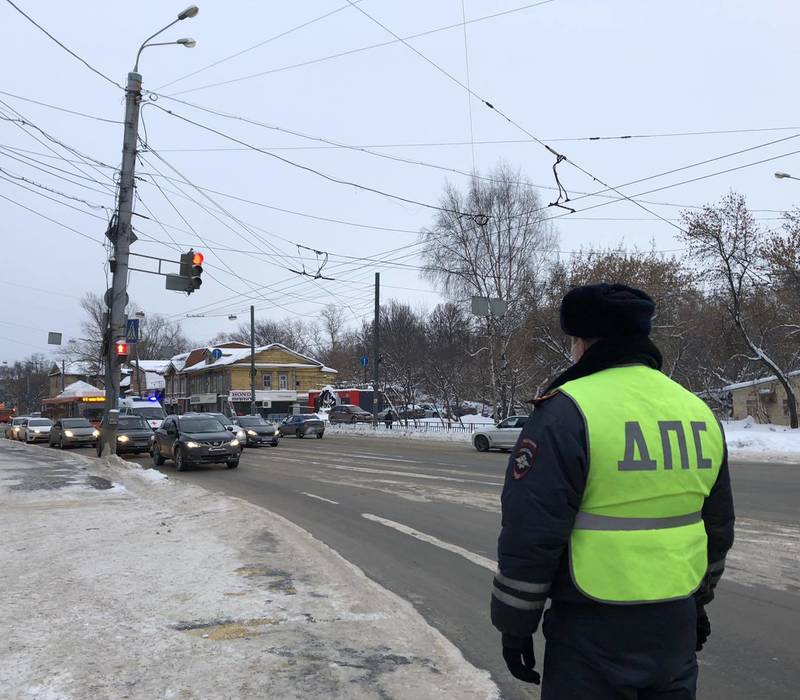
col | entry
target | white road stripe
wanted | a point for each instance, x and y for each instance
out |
(430, 539)
(320, 498)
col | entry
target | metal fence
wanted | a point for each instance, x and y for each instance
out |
(400, 426)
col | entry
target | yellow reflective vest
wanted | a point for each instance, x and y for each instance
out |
(654, 451)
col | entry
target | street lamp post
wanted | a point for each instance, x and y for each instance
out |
(120, 234)
(785, 176)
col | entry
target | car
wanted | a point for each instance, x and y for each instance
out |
(258, 431)
(229, 424)
(302, 425)
(71, 432)
(348, 413)
(13, 428)
(502, 436)
(194, 439)
(35, 430)
(134, 434)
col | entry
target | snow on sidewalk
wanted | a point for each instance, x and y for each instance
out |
(117, 584)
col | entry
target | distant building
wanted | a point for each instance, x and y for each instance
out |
(217, 378)
(146, 378)
(763, 399)
(73, 372)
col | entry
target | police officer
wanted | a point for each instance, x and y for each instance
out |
(617, 507)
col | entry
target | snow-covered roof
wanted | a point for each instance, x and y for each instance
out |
(232, 356)
(152, 381)
(159, 366)
(756, 382)
(80, 388)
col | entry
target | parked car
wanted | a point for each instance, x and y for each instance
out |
(35, 430)
(502, 436)
(194, 439)
(258, 431)
(302, 425)
(230, 424)
(69, 432)
(134, 434)
(347, 413)
(13, 428)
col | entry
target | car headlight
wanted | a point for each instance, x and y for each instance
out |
(240, 435)
(36, 431)
(69, 433)
(16, 430)
(234, 442)
(96, 433)
(122, 438)
(192, 444)
(252, 432)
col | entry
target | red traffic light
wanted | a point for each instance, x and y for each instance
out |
(121, 348)
(197, 259)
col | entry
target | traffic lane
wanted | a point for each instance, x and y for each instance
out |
(769, 491)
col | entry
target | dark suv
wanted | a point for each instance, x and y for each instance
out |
(348, 413)
(195, 439)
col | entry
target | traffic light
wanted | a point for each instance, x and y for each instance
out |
(195, 279)
(121, 349)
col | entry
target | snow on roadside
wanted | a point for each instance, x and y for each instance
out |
(763, 442)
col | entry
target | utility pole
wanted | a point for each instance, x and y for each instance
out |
(252, 360)
(376, 352)
(63, 369)
(121, 241)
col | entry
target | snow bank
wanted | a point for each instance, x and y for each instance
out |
(762, 442)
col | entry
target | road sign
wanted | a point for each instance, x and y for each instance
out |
(132, 330)
(216, 353)
(53, 338)
(364, 361)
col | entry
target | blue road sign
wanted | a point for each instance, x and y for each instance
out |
(364, 361)
(132, 330)
(216, 353)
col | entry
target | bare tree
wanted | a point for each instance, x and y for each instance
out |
(404, 348)
(727, 246)
(161, 338)
(492, 241)
(292, 333)
(332, 319)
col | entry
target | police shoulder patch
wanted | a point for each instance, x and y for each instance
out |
(523, 458)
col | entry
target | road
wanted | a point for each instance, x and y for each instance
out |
(421, 518)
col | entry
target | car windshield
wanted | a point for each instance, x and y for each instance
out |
(133, 423)
(76, 423)
(39, 421)
(247, 421)
(149, 412)
(220, 417)
(18, 421)
(201, 425)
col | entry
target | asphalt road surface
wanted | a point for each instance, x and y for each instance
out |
(421, 518)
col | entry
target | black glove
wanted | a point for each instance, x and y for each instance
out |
(518, 655)
(703, 627)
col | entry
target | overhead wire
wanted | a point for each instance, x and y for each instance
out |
(469, 85)
(63, 46)
(61, 109)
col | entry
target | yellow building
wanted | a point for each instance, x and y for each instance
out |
(217, 378)
(763, 399)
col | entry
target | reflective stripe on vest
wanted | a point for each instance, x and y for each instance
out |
(655, 451)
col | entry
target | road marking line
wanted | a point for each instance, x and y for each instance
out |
(320, 498)
(430, 539)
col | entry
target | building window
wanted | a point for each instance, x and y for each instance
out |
(267, 379)
(284, 382)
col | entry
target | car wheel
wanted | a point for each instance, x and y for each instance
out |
(232, 463)
(158, 460)
(274, 443)
(299, 434)
(482, 443)
(178, 458)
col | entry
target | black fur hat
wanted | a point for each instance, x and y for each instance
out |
(606, 310)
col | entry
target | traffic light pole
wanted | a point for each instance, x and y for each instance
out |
(253, 361)
(376, 353)
(121, 234)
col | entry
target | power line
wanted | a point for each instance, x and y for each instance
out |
(364, 48)
(469, 96)
(255, 46)
(58, 223)
(61, 109)
(314, 171)
(67, 49)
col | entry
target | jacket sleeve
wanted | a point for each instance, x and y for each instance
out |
(718, 517)
(544, 484)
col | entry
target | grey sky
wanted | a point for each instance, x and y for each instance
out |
(569, 68)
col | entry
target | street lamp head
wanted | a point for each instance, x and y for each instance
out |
(188, 43)
(189, 12)
(139, 314)
(781, 176)
(232, 317)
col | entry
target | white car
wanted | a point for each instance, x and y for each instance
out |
(502, 436)
(36, 430)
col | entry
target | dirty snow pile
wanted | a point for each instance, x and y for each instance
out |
(161, 589)
(761, 441)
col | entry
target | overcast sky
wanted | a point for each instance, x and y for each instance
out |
(565, 69)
